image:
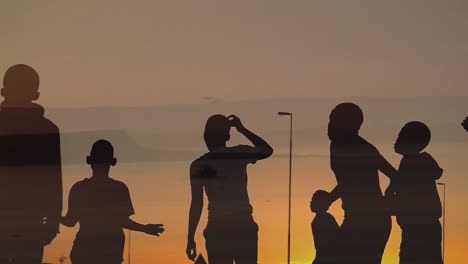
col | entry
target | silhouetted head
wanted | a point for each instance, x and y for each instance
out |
(217, 131)
(101, 157)
(345, 119)
(319, 203)
(414, 137)
(20, 84)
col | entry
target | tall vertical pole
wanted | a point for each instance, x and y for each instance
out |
(443, 223)
(290, 179)
(129, 246)
(290, 187)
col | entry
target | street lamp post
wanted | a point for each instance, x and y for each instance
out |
(290, 180)
(443, 222)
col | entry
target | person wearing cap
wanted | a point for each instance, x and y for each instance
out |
(103, 208)
(356, 164)
(30, 170)
(231, 234)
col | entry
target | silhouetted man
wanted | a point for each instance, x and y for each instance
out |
(231, 234)
(30, 170)
(356, 163)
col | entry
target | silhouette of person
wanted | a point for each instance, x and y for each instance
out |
(418, 206)
(231, 233)
(465, 124)
(103, 207)
(30, 170)
(325, 230)
(356, 163)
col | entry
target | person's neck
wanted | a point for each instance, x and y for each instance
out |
(100, 176)
(218, 147)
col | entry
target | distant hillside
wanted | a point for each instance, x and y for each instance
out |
(176, 130)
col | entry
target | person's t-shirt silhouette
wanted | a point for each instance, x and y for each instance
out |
(325, 231)
(30, 170)
(418, 206)
(99, 205)
(103, 207)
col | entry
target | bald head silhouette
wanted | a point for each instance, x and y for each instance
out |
(20, 84)
(345, 118)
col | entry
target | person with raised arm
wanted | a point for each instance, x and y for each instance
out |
(231, 234)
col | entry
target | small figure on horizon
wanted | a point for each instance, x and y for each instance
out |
(465, 124)
(325, 230)
(418, 206)
(30, 170)
(103, 207)
(231, 234)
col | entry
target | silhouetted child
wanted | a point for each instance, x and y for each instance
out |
(418, 206)
(103, 207)
(324, 230)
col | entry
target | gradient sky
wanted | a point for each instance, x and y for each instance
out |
(130, 53)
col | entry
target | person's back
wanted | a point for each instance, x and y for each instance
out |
(325, 231)
(223, 174)
(30, 169)
(355, 163)
(99, 206)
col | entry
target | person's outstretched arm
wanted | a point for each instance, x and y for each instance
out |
(150, 229)
(262, 148)
(196, 207)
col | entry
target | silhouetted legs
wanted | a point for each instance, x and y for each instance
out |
(238, 243)
(421, 243)
(364, 238)
(98, 250)
(21, 251)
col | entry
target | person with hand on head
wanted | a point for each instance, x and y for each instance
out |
(30, 170)
(231, 234)
(103, 207)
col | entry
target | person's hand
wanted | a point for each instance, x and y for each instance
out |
(154, 229)
(236, 122)
(465, 124)
(50, 228)
(191, 250)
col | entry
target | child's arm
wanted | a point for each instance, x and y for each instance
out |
(150, 229)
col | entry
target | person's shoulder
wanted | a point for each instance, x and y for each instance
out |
(118, 184)
(367, 146)
(432, 168)
(79, 185)
(47, 125)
